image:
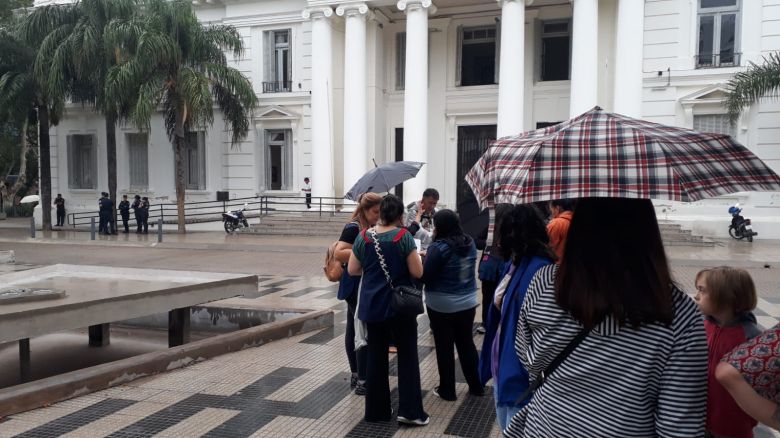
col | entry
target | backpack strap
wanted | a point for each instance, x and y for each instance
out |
(400, 235)
(363, 235)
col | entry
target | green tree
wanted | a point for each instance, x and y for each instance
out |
(76, 64)
(23, 94)
(759, 80)
(7, 8)
(173, 62)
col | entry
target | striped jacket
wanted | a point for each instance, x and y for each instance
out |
(620, 381)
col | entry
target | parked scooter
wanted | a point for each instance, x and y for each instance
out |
(740, 227)
(235, 220)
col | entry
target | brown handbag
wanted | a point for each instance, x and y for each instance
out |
(333, 268)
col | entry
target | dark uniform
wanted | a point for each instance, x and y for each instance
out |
(106, 214)
(59, 201)
(138, 211)
(124, 210)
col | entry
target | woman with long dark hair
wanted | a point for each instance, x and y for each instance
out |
(640, 366)
(403, 264)
(523, 240)
(451, 301)
(366, 215)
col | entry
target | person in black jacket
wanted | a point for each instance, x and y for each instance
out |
(124, 210)
(106, 213)
(138, 211)
(145, 214)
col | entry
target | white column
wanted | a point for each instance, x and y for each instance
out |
(628, 58)
(511, 75)
(416, 93)
(584, 56)
(355, 98)
(321, 103)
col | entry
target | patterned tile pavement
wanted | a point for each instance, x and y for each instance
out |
(297, 387)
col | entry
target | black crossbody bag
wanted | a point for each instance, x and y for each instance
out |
(528, 393)
(406, 300)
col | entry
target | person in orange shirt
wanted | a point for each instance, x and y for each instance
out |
(558, 228)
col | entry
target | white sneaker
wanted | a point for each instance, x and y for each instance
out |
(415, 422)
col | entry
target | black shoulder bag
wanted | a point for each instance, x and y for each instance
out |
(406, 300)
(528, 393)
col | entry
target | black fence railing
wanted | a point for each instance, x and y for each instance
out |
(716, 60)
(277, 87)
(211, 211)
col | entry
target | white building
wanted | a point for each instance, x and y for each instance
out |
(343, 83)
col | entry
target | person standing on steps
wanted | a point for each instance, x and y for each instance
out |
(124, 211)
(307, 191)
(145, 214)
(59, 202)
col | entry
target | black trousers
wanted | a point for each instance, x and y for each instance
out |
(60, 217)
(357, 358)
(455, 329)
(139, 222)
(308, 200)
(125, 219)
(404, 332)
(488, 292)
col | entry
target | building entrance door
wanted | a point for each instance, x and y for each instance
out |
(473, 141)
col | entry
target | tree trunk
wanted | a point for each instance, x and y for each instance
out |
(178, 156)
(44, 153)
(111, 158)
(22, 161)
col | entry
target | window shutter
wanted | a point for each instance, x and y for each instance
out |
(400, 61)
(91, 182)
(71, 162)
(498, 51)
(289, 60)
(268, 56)
(459, 56)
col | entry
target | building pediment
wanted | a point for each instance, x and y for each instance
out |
(275, 112)
(712, 94)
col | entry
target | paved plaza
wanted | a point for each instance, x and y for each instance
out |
(296, 387)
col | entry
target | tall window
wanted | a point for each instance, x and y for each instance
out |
(138, 154)
(717, 123)
(195, 161)
(82, 162)
(400, 60)
(278, 159)
(556, 51)
(718, 30)
(278, 61)
(477, 56)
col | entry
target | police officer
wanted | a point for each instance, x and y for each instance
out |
(124, 210)
(106, 214)
(145, 215)
(137, 210)
(59, 201)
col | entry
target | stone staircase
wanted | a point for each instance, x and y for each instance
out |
(673, 235)
(311, 224)
(307, 224)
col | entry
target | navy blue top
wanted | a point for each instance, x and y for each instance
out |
(348, 285)
(448, 275)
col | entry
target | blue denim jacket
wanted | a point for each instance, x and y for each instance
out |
(448, 275)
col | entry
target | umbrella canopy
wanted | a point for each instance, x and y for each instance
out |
(29, 199)
(384, 177)
(600, 154)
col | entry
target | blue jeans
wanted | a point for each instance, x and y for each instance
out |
(504, 414)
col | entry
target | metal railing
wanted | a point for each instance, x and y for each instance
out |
(277, 87)
(211, 211)
(717, 60)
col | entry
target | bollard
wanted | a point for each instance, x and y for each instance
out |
(32, 227)
(92, 229)
(159, 230)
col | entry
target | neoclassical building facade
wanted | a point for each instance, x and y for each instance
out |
(342, 85)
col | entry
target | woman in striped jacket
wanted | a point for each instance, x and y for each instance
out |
(641, 370)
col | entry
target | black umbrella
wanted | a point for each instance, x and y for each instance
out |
(384, 177)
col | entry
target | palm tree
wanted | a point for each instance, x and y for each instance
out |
(171, 61)
(76, 64)
(748, 86)
(21, 94)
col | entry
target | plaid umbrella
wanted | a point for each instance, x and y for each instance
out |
(600, 154)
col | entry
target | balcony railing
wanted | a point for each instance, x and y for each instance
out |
(716, 60)
(277, 87)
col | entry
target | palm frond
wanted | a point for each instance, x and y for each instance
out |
(759, 80)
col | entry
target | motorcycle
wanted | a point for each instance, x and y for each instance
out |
(740, 227)
(235, 220)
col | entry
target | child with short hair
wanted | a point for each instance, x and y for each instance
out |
(726, 296)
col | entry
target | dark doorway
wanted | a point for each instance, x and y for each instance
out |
(540, 125)
(399, 156)
(473, 141)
